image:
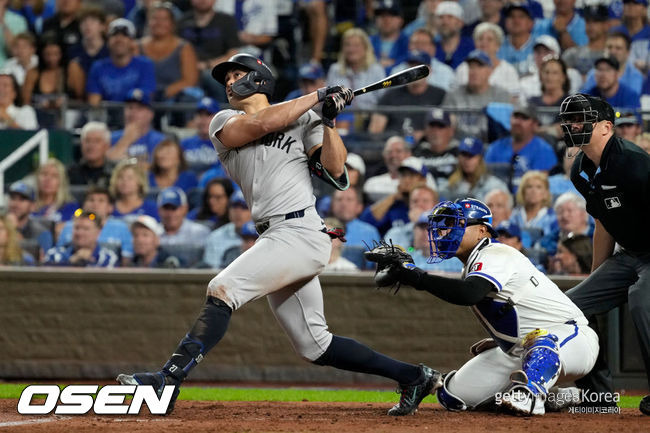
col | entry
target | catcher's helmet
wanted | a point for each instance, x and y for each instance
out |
(447, 224)
(579, 113)
(259, 80)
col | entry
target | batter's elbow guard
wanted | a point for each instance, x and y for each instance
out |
(448, 400)
(317, 169)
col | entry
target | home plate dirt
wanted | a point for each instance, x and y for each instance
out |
(193, 417)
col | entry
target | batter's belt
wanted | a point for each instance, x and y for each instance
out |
(263, 226)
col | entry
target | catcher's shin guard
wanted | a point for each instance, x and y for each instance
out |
(541, 360)
(448, 400)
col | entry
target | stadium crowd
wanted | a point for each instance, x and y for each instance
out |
(130, 80)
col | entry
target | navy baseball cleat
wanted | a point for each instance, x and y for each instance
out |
(412, 395)
(644, 406)
(158, 380)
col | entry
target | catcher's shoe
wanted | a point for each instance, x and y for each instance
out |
(158, 380)
(522, 398)
(412, 395)
(562, 398)
(644, 406)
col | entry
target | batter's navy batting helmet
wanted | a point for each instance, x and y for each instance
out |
(258, 80)
(447, 224)
(579, 113)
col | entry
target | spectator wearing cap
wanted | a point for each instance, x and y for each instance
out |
(248, 237)
(168, 167)
(440, 75)
(418, 93)
(628, 126)
(421, 199)
(517, 48)
(471, 177)
(488, 38)
(214, 36)
(64, 24)
(91, 48)
(198, 150)
(452, 48)
(566, 25)
(228, 235)
(390, 44)
(356, 170)
(571, 217)
(35, 236)
(420, 250)
(582, 57)
(178, 230)
(112, 78)
(477, 93)
(438, 149)
(393, 210)
(523, 150)
(382, 185)
(608, 86)
(510, 234)
(573, 257)
(94, 168)
(85, 249)
(312, 78)
(13, 114)
(635, 26)
(545, 47)
(138, 138)
(146, 234)
(114, 233)
(617, 45)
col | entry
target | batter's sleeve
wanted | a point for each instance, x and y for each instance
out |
(216, 125)
(312, 131)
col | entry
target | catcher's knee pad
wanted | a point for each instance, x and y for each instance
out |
(448, 400)
(541, 359)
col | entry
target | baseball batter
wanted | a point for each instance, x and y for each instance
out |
(538, 336)
(269, 151)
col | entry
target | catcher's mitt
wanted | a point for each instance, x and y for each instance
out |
(391, 261)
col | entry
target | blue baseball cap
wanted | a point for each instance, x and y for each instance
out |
(391, 6)
(172, 196)
(640, 2)
(471, 145)
(438, 116)
(509, 229)
(248, 229)
(23, 189)
(237, 199)
(523, 6)
(479, 56)
(208, 105)
(138, 95)
(311, 71)
(418, 57)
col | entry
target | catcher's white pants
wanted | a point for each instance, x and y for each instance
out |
(284, 265)
(488, 373)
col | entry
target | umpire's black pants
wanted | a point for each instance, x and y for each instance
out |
(624, 277)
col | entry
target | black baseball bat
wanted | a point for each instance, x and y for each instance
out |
(398, 79)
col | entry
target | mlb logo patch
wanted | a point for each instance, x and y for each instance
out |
(612, 202)
(477, 267)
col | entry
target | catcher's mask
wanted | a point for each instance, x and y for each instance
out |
(447, 224)
(579, 113)
(259, 79)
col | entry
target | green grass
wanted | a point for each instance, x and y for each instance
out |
(286, 394)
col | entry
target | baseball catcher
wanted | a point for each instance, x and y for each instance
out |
(537, 335)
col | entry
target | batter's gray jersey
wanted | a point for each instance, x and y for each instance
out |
(272, 171)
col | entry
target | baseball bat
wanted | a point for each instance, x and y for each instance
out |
(398, 79)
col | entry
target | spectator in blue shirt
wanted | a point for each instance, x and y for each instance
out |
(146, 245)
(570, 209)
(390, 43)
(533, 213)
(421, 199)
(129, 186)
(85, 249)
(114, 234)
(113, 77)
(608, 87)
(346, 207)
(522, 150)
(517, 48)
(566, 25)
(198, 150)
(138, 138)
(452, 47)
(168, 167)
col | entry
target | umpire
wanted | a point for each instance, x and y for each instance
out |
(614, 177)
